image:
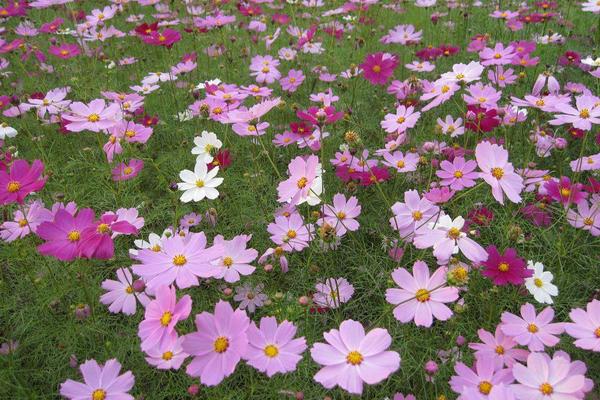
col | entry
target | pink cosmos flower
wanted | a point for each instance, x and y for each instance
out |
(450, 126)
(96, 240)
(547, 378)
(586, 326)
(218, 345)
(586, 217)
(499, 348)
(421, 297)
(65, 50)
(333, 292)
(290, 232)
(531, 330)
(564, 191)
(292, 81)
(95, 116)
(124, 172)
(483, 377)
(166, 38)
(447, 238)
(351, 357)
(498, 172)
(272, 348)
(403, 119)
(401, 162)
(264, 69)
(505, 268)
(458, 174)
(438, 92)
(235, 259)
(161, 316)
(63, 234)
(585, 113)
(499, 55)
(168, 355)
(99, 382)
(414, 213)
(304, 183)
(379, 67)
(342, 214)
(23, 224)
(20, 180)
(180, 260)
(120, 295)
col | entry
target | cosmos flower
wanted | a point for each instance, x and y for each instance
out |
(505, 268)
(121, 295)
(379, 67)
(20, 180)
(498, 347)
(585, 327)
(540, 283)
(200, 183)
(100, 382)
(492, 159)
(532, 330)
(333, 292)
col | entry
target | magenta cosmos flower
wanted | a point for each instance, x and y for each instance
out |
(272, 348)
(505, 268)
(548, 379)
(379, 67)
(20, 181)
(161, 315)
(218, 345)
(483, 377)
(458, 174)
(531, 330)
(63, 234)
(97, 239)
(501, 348)
(498, 172)
(564, 191)
(586, 326)
(180, 260)
(235, 259)
(65, 50)
(124, 172)
(421, 297)
(351, 357)
(99, 382)
(94, 117)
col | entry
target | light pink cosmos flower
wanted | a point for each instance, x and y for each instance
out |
(463, 73)
(180, 260)
(586, 163)
(120, 295)
(501, 348)
(403, 119)
(94, 117)
(421, 297)
(498, 172)
(99, 382)
(333, 292)
(547, 378)
(342, 214)
(586, 326)
(531, 330)
(22, 225)
(52, 103)
(168, 355)
(586, 217)
(272, 348)
(292, 81)
(414, 213)
(304, 183)
(235, 259)
(585, 113)
(458, 174)
(499, 55)
(290, 232)
(451, 126)
(351, 357)
(447, 238)
(401, 162)
(161, 315)
(438, 92)
(483, 377)
(218, 345)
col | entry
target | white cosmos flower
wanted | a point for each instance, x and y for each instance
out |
(591, 61)
(540, 284)
(199, 184)
(205, 146)
(7, 131)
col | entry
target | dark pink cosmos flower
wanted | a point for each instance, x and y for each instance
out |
(373, 176)
(8, 47)
(52, 27)
(429, 53)
(96, 239)
(570, 58)
(505, 268)
(320, 116)
(481, 120)
(166, 38)
(564, 191)
(65, 50)
(20, 181)
(379, 67)
(63, 234)
(448, 50)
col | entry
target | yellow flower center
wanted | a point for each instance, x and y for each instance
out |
(538, 282)
(503, 267)
(99, 394)
(291, 234)
(227, 261)
(485, 387)
(341, 215)
(532, 328)
(546, 389)
(127, 170)
(221, 344)
(400, 120)
(22, 223)
(588, 221)
(497, 56)
(13, 186)
(103, 228)
(156, 248)
(481, 99)
(499, 350)
(179, 260)
(167, 355)
(166, 318)
(64, 52)
(417, 215)
(199, 183)
(597, 332)
(129, 290)
(265, 70)
(74, 236)
(302, 182)
(271, 351)
(497, 172)
(445, 89)
(354, 358)
(460, 273)
(458, 174)
(129, 133)
(376, 69)
(93, 118)
(400, 164)
(161, 38)
(460, 76)
(584, 113)
(422, 295)
(454, 233)
(565, 192)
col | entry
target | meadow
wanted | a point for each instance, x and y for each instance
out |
(426, 171)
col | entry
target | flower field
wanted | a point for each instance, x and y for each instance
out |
(300, 199)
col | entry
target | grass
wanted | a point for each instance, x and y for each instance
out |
(39, 293)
